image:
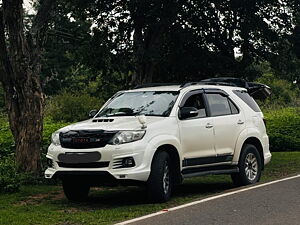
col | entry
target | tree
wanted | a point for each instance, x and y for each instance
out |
(20, 69)
(190, 40)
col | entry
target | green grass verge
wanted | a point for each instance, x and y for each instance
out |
(47, 204)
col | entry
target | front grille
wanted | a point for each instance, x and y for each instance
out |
(83, 139)
(83, 165)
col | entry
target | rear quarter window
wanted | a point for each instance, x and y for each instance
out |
(247, 99)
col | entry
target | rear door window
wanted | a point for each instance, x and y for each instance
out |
(218, 104)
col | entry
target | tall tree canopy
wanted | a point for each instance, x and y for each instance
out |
(159, 40)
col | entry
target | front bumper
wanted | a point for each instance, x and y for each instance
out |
(139, 151)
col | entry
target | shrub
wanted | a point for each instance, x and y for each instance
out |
(6, 138)
(283, 129)
(9, 178)
(284, 93)
(71, 107)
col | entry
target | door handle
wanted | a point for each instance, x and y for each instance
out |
(240, 122)
(209, 125)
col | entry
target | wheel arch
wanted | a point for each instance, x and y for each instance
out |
(175, 159)
(257, 143)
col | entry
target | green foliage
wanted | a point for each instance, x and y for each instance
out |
(283, 129)
(9, 178)
(6, 138)
(284, 93)
(70, 107)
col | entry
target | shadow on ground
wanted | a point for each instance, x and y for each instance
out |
(129, 196)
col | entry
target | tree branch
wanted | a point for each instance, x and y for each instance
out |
(13, 19)
(5, 66)
(42, 16)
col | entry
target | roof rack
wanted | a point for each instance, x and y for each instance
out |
(154, 85)
(257, 90)
(207, 83)
(224, 81)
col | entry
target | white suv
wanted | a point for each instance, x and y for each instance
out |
(159, 135)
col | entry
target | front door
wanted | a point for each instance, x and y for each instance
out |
(197, 137)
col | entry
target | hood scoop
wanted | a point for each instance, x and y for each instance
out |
(102, 120)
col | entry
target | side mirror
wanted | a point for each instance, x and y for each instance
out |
(187, 112)
(93, 113)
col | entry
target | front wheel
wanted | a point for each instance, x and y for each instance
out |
(74, 189)
(160, 182)
(250, 166)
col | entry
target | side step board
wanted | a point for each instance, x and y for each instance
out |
(195, 172)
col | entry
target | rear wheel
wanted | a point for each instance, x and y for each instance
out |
(160, 182)
(74, 189)
(250, 166)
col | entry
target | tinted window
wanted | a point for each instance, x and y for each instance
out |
(248, 100)
(218, 104)
(197, 102)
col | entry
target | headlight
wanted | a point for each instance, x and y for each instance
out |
(127, 136)
(55, 138)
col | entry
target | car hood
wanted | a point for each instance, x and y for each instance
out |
(112, 123)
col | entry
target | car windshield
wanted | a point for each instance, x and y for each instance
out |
(149, 103)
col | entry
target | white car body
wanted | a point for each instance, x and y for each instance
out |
(220, 137)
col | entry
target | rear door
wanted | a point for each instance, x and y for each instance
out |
(228, 121)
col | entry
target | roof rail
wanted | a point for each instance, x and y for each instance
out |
(256, 90)
(238, 82)
(154, 85)
(207, 83)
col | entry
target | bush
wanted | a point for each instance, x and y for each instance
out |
(71, 107)
(9, 178)
(6, 139)
(283, 129)
(284, 93)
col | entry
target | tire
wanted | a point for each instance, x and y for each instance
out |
(75, 190)
(250, 166)
(160, 182)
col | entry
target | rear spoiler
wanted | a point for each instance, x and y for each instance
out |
(256, 90)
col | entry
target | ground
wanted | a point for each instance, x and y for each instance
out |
(46, 204)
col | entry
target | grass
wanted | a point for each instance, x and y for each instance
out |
(47, 204)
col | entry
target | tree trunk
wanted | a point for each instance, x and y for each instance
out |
(24, 102)
(20, 68)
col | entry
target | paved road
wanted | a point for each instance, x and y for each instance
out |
(274, 204)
